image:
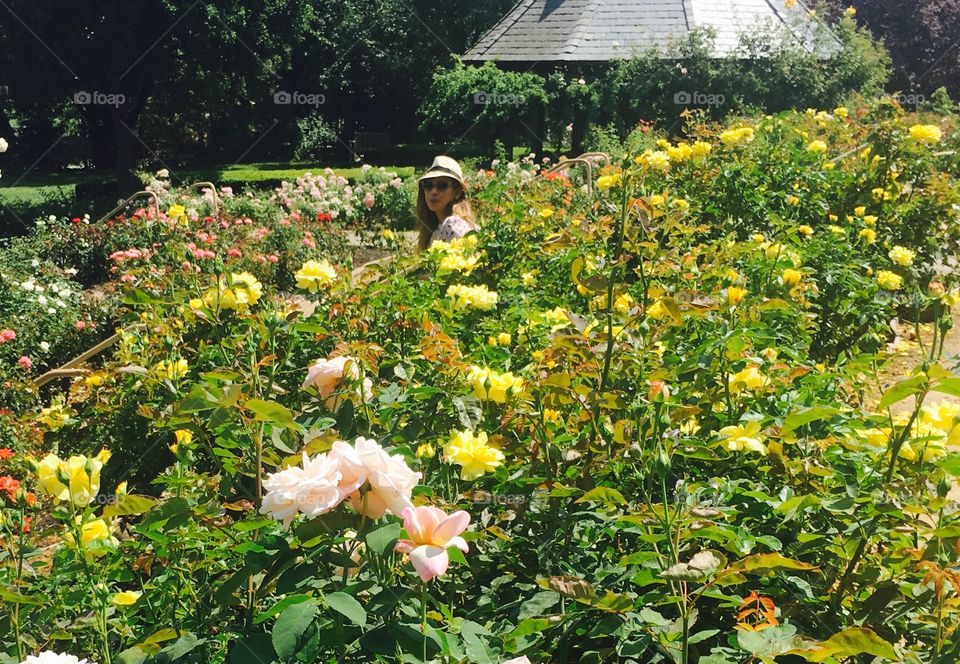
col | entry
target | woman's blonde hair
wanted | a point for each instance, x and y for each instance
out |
(427, 221)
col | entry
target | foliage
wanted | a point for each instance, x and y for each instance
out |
(643, 436)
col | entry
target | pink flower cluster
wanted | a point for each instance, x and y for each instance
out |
(200, 254)
(129, 254)
(7, 335)
(373, 481)
(271, 258)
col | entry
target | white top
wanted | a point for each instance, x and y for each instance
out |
(452, 227)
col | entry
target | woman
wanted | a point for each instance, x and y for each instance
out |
(442, 206)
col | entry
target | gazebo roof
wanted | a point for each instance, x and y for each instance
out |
(584, 31)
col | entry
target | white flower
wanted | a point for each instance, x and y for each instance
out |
(319, 488)
(42, 300)
(391, 481)
(282, 499)
(373, 480)
(44, 346)
(50, 657)
(3, 145)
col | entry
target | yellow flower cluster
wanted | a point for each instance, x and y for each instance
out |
(889, 280)
(457, 255)
(926, 134)
(54, 417)
(738, 136)
(932, 432)
(490, 385)
(472, 453)
(657, 159)
(868, 234)
(502, 339)
(314, 275)
(177, 213)
(237, 292)
(476, 297)
(817, 147)
(77, 479)
(605, 182)
(901, 256)
(172, 370)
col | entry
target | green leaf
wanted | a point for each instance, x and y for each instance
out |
(476, 642)
(761, 562)
(796, 420)
(182, 646)
(469, 411)
(951, 464)
(134, 655)
(291, 625)
(851, 641)
(383, 538)
(602, 494)
(531, 626)
(17, 598)
(270, 411)
(348, 606)
(949, 386)
(278, 608)
(127, 504)
(771, 641)
(902, 390)
(253, 648)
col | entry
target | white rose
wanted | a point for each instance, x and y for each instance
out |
(319, 488)
(50, 657)
(3, 145)
(281, 500)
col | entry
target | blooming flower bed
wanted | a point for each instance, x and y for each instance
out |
(625, 424)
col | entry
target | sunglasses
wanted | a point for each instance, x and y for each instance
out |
(430, 185)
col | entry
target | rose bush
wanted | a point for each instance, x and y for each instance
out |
(656, 442)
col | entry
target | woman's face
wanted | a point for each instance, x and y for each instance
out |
(440, 193)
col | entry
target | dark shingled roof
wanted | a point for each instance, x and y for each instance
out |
(602, 30)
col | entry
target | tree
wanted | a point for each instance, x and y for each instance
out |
(923, 37)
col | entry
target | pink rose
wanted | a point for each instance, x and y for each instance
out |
(431, 531)
(7, 335)
(325, 375)
(25, 362)
(369, 200)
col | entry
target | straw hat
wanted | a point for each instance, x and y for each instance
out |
(444, 167)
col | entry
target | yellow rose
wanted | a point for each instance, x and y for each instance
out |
(791, 277)
(889, 280)
(901, 256)
(472, 453)
(313, 275)
(743, 438)
(926, 134)
(735, 295)
(749, 378)
(126, 598)
(817, 147)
